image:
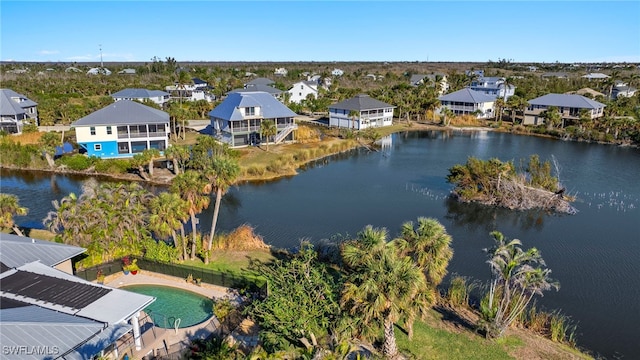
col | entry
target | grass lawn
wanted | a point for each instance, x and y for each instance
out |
(234, 262)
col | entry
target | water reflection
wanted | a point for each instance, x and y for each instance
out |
(489, 218)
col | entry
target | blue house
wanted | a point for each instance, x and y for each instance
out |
(123, 129)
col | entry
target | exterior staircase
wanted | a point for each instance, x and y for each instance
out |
(283, 134)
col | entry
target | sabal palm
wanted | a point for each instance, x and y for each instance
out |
(10, 207)
(193, 188)
(267, 129)
(382, 285)
(223, 172)
(429, 245)
(168, 214)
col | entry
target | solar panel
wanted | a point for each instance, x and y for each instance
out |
(52, 290)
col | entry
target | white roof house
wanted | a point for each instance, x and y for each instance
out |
(596, 76)
(337, 72)
(99, 71)
(280, 72)
(57, 313)
(302, 89)
(157, 96)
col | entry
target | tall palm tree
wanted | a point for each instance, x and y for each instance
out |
(10, 207)
(552, 117)
(382, 285)
(500, 104)
(168, 214)
(428, 243)
(517, 276)
(267, 129)
(178, 155)
(151, 155)
(353, 115)
(223, 173)
(48, 142)
(193, 188)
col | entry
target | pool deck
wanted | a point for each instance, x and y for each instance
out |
(169, 339)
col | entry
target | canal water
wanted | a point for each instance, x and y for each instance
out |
(595, 254)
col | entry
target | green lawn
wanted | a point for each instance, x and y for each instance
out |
(234, 262)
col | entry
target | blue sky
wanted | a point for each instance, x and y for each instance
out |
(524, 31)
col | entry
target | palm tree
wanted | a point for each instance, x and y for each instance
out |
(447, 114)
(192, 188)
(268, 128)
(500, 104)
(224, 173)
(10, 207)
(428, 243)
(382, 285)
(151, 155)
(353, 115)
(517, 276)
(48, 142)
(552, 117)
(139, 161)
(168, 214)
(178, 155)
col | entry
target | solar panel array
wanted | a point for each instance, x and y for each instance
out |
(52, 290)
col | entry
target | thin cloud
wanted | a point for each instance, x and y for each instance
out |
(48, 52)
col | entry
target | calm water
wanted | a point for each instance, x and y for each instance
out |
(174, 303)
(594, 254)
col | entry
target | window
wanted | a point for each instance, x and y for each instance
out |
(123, 148)
(249, 111)
(93, 130)
(109, 132)
(97, 147)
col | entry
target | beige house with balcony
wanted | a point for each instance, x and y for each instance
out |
(569, 105)
(469, 102)
(369, 113)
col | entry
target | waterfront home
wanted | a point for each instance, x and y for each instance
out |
(123, 129)
(16, 110)
(360, 112)
(237, 120)
(570, 107)
(494, 86)
(158, 97)
(468, 102)
(48, 313)
(302, 89)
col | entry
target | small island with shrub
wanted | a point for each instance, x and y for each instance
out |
(497, 183)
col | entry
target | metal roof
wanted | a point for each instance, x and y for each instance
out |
(271, 108)
(8, 106)
(467, 95)
(566, 100)
(361, 102)
(139, 94)
(253, 88)
(16, 251)
(124, 112)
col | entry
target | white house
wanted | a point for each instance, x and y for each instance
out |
(469, 102)
(99, 71)
(128, 71)
(123, 129)
(360, 112)
(494, 86)
(280, 72)
(156, 96)
(197, 90)
(302, 89)
(49, 313)
(237, 120)
(622, 90)
(595, 76)
(337, 72)
(16, 110)
(570, 107)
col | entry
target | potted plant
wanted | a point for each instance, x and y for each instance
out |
(126, 262)
(100, 277)
(190, 278)
(134, 267)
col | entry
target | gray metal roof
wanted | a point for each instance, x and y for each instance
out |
(229, 109)
(566, 100)
(16, 251)
(261, 81)
(555, 74)
(467, 95)
(416, 78)
(361, 102)
(8, 106)
(253, 88)
(139, 94)
(124, 112)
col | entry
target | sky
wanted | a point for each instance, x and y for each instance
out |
(291, 31)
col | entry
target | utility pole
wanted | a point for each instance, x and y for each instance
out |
(101, 63)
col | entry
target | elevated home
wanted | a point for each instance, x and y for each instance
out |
(158, 97)
(439, 79)
(197, 90)
(302, 89)
(622, 90)
(237, 120)
(16, 110)
(493, 86)
(469, 102)
(569, 105)
(276, 93)
(260, 81)
(48, 313)
(123, 129)
(360, 112)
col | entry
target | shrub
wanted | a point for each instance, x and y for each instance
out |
(112, 166)
(76, 162)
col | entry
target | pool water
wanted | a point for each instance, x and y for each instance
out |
(174, 303)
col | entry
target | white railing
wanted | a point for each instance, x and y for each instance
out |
(286, 131)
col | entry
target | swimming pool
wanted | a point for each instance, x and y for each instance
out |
(174, 303)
